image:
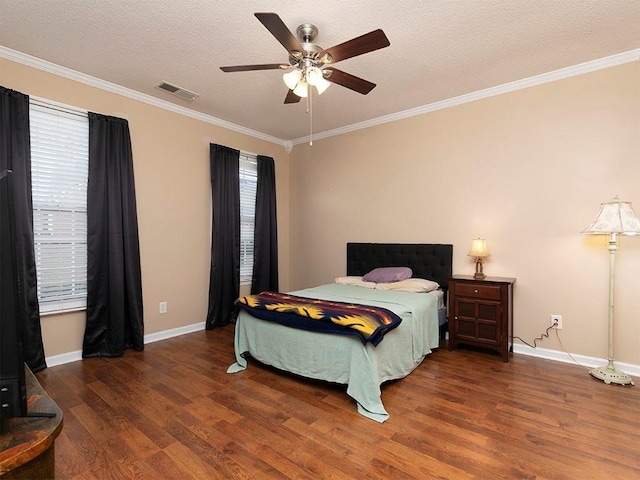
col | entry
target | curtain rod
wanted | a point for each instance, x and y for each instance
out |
(242, 152)
(60, 107)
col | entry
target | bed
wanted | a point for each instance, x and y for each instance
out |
(345, 359)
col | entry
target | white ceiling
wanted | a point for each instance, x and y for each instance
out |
(440, 49)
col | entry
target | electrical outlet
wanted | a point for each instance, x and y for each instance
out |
(557, 321)
(163, 307)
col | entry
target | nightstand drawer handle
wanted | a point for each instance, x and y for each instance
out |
(475, 291)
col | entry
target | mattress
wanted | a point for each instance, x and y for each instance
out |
(442, 308)
(439, 294)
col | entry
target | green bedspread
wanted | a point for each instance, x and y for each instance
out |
(341, 358)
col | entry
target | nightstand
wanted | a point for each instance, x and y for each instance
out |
(481, 313)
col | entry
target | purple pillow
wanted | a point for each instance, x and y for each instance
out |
(388, 274)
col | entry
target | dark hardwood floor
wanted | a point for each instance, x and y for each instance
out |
(172, 412)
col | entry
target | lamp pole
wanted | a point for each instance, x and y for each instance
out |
(610, 374)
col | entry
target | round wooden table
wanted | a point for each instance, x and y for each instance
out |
(27, 443)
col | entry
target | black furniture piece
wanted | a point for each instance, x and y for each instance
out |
(427, 260)
(13, 395)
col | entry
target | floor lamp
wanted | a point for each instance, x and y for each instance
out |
(614, 218)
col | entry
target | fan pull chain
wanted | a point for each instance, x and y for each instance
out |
(310, 116)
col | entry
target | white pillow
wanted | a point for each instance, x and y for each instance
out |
(356, 281)
(417, 285)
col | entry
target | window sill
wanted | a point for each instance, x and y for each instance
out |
(61, 312)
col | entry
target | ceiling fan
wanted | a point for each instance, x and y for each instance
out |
(312, 65)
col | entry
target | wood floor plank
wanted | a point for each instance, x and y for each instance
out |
(75, 449)
(172, 412)
(87, 475)
(208, 411)
(357, 456)
(413, 465)
(162, 465)
(264, 444)
(211, 465)
(148, 427)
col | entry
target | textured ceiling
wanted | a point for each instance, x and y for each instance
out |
(439, 49)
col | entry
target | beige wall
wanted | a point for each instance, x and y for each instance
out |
(526, 170)
(171, 167)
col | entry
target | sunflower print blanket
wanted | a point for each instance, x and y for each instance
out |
(368, 323)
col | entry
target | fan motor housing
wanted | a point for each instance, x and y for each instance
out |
(307, 32)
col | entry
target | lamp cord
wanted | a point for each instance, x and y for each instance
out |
(535, 340)
(567, 351)
(546, 335)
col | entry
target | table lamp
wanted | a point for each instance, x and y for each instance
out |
(479, 250)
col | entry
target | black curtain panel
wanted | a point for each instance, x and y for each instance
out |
(114, 281)
(265, 253)
(15, 155)
(224, 281)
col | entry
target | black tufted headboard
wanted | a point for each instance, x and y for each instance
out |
(427, 260)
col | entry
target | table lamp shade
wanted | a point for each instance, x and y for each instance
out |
(479, 251)
(479, 248)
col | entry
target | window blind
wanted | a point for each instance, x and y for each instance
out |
(59, 171)
(248, 187)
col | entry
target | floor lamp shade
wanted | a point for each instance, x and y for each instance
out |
(614, 218)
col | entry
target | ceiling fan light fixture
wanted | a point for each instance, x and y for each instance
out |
(301, 89)
(314, 75)
(322, 85)
(292, 78)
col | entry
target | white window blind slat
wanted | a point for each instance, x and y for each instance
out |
(248, 187)
(59, 171)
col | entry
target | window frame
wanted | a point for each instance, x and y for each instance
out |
(59, 137)
(248, 177)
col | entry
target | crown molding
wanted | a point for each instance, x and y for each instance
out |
(582, 68)
(49, 67)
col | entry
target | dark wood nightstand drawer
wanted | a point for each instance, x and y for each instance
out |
(475, 290)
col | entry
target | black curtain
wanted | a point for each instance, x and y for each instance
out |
(114, 281)
(15, 154)
(224, 281)
(265, 253)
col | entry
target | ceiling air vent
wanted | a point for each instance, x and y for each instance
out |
(177, 91)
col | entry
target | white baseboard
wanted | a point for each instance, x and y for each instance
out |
(152, 337)
(590, 362)
(556, 355)
(174, 332)
(63, 358)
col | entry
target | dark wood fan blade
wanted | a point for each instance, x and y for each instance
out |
(246, 68)
(349, 81)
(279, 30)
(291, 97)
(363, 44)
